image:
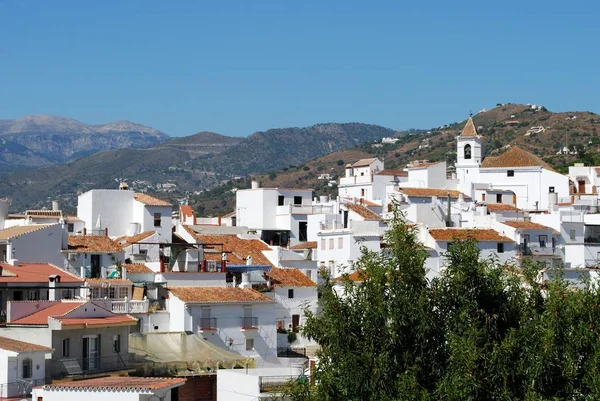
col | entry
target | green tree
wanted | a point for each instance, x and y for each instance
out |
(481, 331)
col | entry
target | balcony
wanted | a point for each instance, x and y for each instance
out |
(304, 209)
(249, 323)
(207, 324)
(271, 384)
(129, 306)
(537, 250)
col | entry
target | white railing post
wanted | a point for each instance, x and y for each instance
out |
(126, 304)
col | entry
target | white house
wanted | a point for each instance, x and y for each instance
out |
(33, 243)
(35, 281)
(256, 384)
(340, 241)
(361, 181)
(124, 212)
(536, 242)
(22, 365)
(73, 223)
(279, 215)
(86, 337)
(112, 388)
(142, 248)
(237, 319)
(92, 256)
(490, 243)
(585, 178)
(293, 292)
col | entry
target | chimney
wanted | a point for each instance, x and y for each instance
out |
(13, 262)
(255, 185)
(55, 205)
(52, 280)
(245, 281)
(123, 272)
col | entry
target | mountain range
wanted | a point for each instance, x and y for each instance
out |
(43, 140)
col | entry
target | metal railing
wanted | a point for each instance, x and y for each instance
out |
(249, 322)
(536, 250)
(287, 352)
(270, 384)
(208, 323)
(19, 388)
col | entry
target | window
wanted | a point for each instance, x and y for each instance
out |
(483, 197)
(510, 173)
(525, 238)
(543, 239)
(467, 151)
(297, 200)
(27, 368)
(500, 247)
(67, 294)
(249, 344)
(280, 200)
(157, 219)
(309, 274)
(290, 293)
(123, 292)
(70, 227)
(331, 244)
(33, 295)
(65, 348)
(362, 192)
(498, 198)
(323, 244)
(341, 243)
(572, 235)
(117, 343)
(551, 190)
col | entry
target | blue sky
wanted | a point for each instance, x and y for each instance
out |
(236, 67)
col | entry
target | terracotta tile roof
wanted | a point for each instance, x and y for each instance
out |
(515, 157)
(97, 321)
(13, 232)
(364, 162)
(126, 241)
(138, 268)
(92, 244)
(363, 212)
(150, 200)
(356, 276)
(288, 277)
(34, 273)
(501, 207)
(429, 192)
(44, 213)
(239, 249)
(469, 129)
(210, 295)
(9, 344)
(526, 225)
(478, 234)
(97, 282)
(186, 210)
(399, 173)
(305, 245)
(58, 308)
(116, 383)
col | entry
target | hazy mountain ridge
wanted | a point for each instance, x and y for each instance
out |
(45, 140)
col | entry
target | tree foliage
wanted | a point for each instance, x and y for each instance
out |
(479, 332)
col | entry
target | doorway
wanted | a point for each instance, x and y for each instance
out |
(91, 352)
(95, 265)
(581, 186)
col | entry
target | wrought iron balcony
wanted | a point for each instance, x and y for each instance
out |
(249, 323)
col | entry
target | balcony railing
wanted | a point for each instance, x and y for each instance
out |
(83, 366)
(129, 306)
(207, 323)
(537, 250)
(249, 323)
(271, 384)
(19, 388)
(304, 209)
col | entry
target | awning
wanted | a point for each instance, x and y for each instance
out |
(180, 354)
(246, 268)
